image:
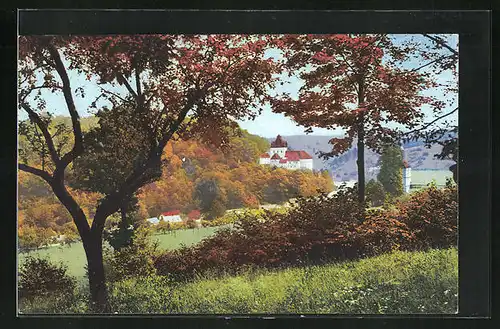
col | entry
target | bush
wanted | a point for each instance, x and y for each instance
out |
(321, 229)
(375, 193)
(41, 277)
(313, 230)
(431, 215)
(134, 260)
(31, 238)
(190, 223)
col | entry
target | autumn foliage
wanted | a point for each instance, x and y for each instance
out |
(321, 230)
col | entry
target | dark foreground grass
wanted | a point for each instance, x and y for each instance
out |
(397, 283)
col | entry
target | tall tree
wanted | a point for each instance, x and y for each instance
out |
(391, 170)
(356, 82)
(441, 55)
(214, 78)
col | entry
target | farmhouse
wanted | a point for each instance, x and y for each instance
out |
(171, 216)
(279, 156)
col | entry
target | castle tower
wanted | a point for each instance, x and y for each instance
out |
(279, 146)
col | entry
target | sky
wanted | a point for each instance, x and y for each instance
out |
(268, 124)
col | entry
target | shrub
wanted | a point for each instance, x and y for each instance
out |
(311, 231)
(41, 277)
(320, 229)
(432, 215)
(163, 226)
(134, 260)
(31, 237)
(190, 223)
(375, 193)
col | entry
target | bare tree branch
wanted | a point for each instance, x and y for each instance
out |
(35, 171)
(28, 92)
(114, 94)
(75, 118)
(427, 125)
(45, 132)
(441, 42)
(121, 79)
(138, 82)
(431, 62)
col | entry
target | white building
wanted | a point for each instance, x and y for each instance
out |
(406, 173)
(281, 157)
(153, 220)
(171, 216)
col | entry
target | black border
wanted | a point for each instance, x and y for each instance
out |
(474, 119)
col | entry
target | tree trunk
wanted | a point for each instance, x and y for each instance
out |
(453, 169)
(361, 145)
(361, 164)
(97, 280)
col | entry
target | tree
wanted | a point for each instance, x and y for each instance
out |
(215, 78)
(375, 193)
(217, 209)
(356, 82)
(391, 170)
(441, 57)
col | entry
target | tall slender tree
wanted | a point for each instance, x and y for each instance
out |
(214, 78)
(391, 170)
(355, 82)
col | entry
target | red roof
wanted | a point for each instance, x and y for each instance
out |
(194, 214)
(264, 155)
(292, 155)
(279, 142)
(275, 156)
(283, 161)
(304, 155)
(171, 213)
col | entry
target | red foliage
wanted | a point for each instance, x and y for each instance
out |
(432, 216)
(341, 70)
(320, 230)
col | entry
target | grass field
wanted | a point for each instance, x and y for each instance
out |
(424, 177)
(399, 282)
(74, 255)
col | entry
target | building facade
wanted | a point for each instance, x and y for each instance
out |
(406, 172)
(279, 156)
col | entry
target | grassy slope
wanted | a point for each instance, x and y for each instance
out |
(74, 255)
(422, 282)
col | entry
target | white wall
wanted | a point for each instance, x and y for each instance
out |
(280, 150)
(406, 179)
(264, 161)
(306, 164)
(175, 218)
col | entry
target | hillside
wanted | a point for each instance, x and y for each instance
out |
(344, 166)
(196, 176)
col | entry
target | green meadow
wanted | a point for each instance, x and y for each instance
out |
(74, 256)
(394, 283)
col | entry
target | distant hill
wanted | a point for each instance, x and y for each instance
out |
(344, 166)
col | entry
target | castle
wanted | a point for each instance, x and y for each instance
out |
(281, 157)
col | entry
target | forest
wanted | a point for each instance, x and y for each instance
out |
(196, 177)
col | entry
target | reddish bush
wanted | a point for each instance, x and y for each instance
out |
(432, 216)
(381, 232)
(321, 229)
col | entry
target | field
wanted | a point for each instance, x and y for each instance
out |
(424, 177)
(398, 282)
(74, 255)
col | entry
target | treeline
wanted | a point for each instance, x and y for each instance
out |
(195, 176)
